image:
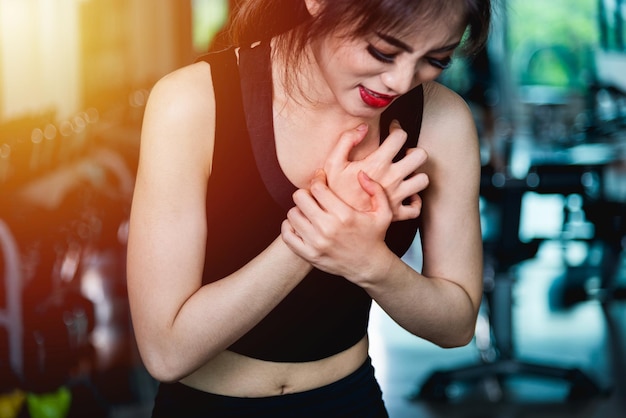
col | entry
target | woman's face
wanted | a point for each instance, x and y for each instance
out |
(364, 75)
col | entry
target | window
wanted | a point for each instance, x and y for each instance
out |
(208, 18)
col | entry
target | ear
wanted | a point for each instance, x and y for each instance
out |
(313, 6)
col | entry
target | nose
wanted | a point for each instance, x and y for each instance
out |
(400, 78)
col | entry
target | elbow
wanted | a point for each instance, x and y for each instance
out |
(460, 336)
(171, 362)
(457, 336)
(460, 340)
(466, 321)
(163, 367)
(164, 360)
(156, 356)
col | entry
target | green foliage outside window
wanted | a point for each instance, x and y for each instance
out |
(552, 42)
(208, 18)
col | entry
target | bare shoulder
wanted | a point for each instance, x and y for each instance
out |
(448, 134)
(448, 125)
(445, 111)
(180, 113)
(183, 94)
(187, 82)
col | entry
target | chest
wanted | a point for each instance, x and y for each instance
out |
(303, 148)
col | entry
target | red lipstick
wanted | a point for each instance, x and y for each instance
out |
(374, 99)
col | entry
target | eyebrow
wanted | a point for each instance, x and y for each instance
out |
(398, 43)
(446, 48)
(394, 41)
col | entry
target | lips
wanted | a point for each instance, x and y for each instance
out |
(374, 99)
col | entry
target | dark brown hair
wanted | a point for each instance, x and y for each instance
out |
(292, 25)
(259, 20)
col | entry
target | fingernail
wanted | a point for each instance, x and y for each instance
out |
(362, 127)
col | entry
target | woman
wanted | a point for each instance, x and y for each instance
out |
(277, 190)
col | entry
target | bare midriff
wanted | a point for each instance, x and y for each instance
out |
(232, 374)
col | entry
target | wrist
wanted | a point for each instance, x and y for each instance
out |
(290, 258)
(376, 269)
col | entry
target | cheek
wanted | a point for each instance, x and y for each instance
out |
(359, 66)
(353, 58)
(348, 69)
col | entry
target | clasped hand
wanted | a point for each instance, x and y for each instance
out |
(401, 180)
(339, 223)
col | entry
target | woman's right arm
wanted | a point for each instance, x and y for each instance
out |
(180, 324)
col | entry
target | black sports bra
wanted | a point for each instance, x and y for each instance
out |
(248, 197)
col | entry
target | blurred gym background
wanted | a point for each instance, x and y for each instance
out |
(549, 97)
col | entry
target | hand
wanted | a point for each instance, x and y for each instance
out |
(335, 237)
(400, 180)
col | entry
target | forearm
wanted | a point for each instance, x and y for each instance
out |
(218, 314)
(436, 309)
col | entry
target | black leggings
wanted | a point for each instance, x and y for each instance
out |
(357, 395)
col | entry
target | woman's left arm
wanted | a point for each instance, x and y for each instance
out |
(441, 303)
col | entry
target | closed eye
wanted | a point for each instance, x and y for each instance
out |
(441, 64)
(381, 56)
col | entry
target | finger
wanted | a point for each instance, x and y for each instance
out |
(367, 183)
(318, 206)
(380, 202)
(407, 193)
(319, 176)
(288, 233)
(292, 239)
(321, 192)
(392, 144)
(325, 198)
(413, 185)
(300, 225)
(305, 203)
(411, 210)
(340, 154)
(409, 151)
(411, 162)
